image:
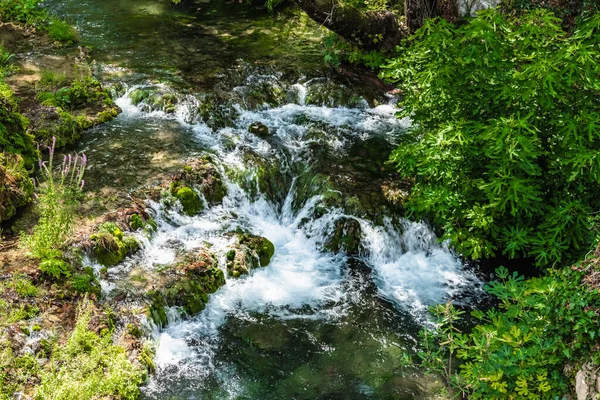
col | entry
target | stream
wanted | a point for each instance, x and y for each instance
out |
(316, 323)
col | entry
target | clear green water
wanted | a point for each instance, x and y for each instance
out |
(313, 324)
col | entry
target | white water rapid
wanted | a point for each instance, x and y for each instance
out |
(409, 268)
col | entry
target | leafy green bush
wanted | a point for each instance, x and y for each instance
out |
(89, 367)
(504, 149)
(86, 282)
(55, 268)
(25, 11)
(521, 349)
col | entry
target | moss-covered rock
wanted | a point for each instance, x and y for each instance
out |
(109, 245)
(346, 237)
(15, 186)
(203, 175)
(190, 201)
(259, 129)
(187, 285)
(249, 252)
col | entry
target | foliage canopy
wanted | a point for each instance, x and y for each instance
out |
(505, 150)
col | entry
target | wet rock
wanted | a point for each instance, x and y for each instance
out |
(250, 252)
(139, 95)
(16, 186)
(109, 245)
(331, 94)
(187, 285)
(346, 237)
(202, 174)
(259, 129)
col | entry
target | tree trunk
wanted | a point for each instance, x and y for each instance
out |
(417, 11)
(370, 30)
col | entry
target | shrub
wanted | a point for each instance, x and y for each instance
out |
(25, 11)
(55, 268)
(521, 350)
(503, 152)
(89, 367)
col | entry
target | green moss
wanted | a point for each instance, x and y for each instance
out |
(263, 247)
(190, 201)
(231, 255)
(110, 246)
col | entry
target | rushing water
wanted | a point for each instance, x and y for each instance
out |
(312, 324)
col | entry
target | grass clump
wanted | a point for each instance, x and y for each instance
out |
(62, 31)
(15, 371)
(58, 198)
(89, 367)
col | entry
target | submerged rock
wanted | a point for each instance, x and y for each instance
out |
(250, 252)
(109, 245)
(16, 187)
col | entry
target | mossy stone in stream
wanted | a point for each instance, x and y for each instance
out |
(188, 285)
(190, 201)
(259, 129)
(139, 95)
(250, 252)
(203, 174)
(110, 245)
(346, 237)
(260, 245)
